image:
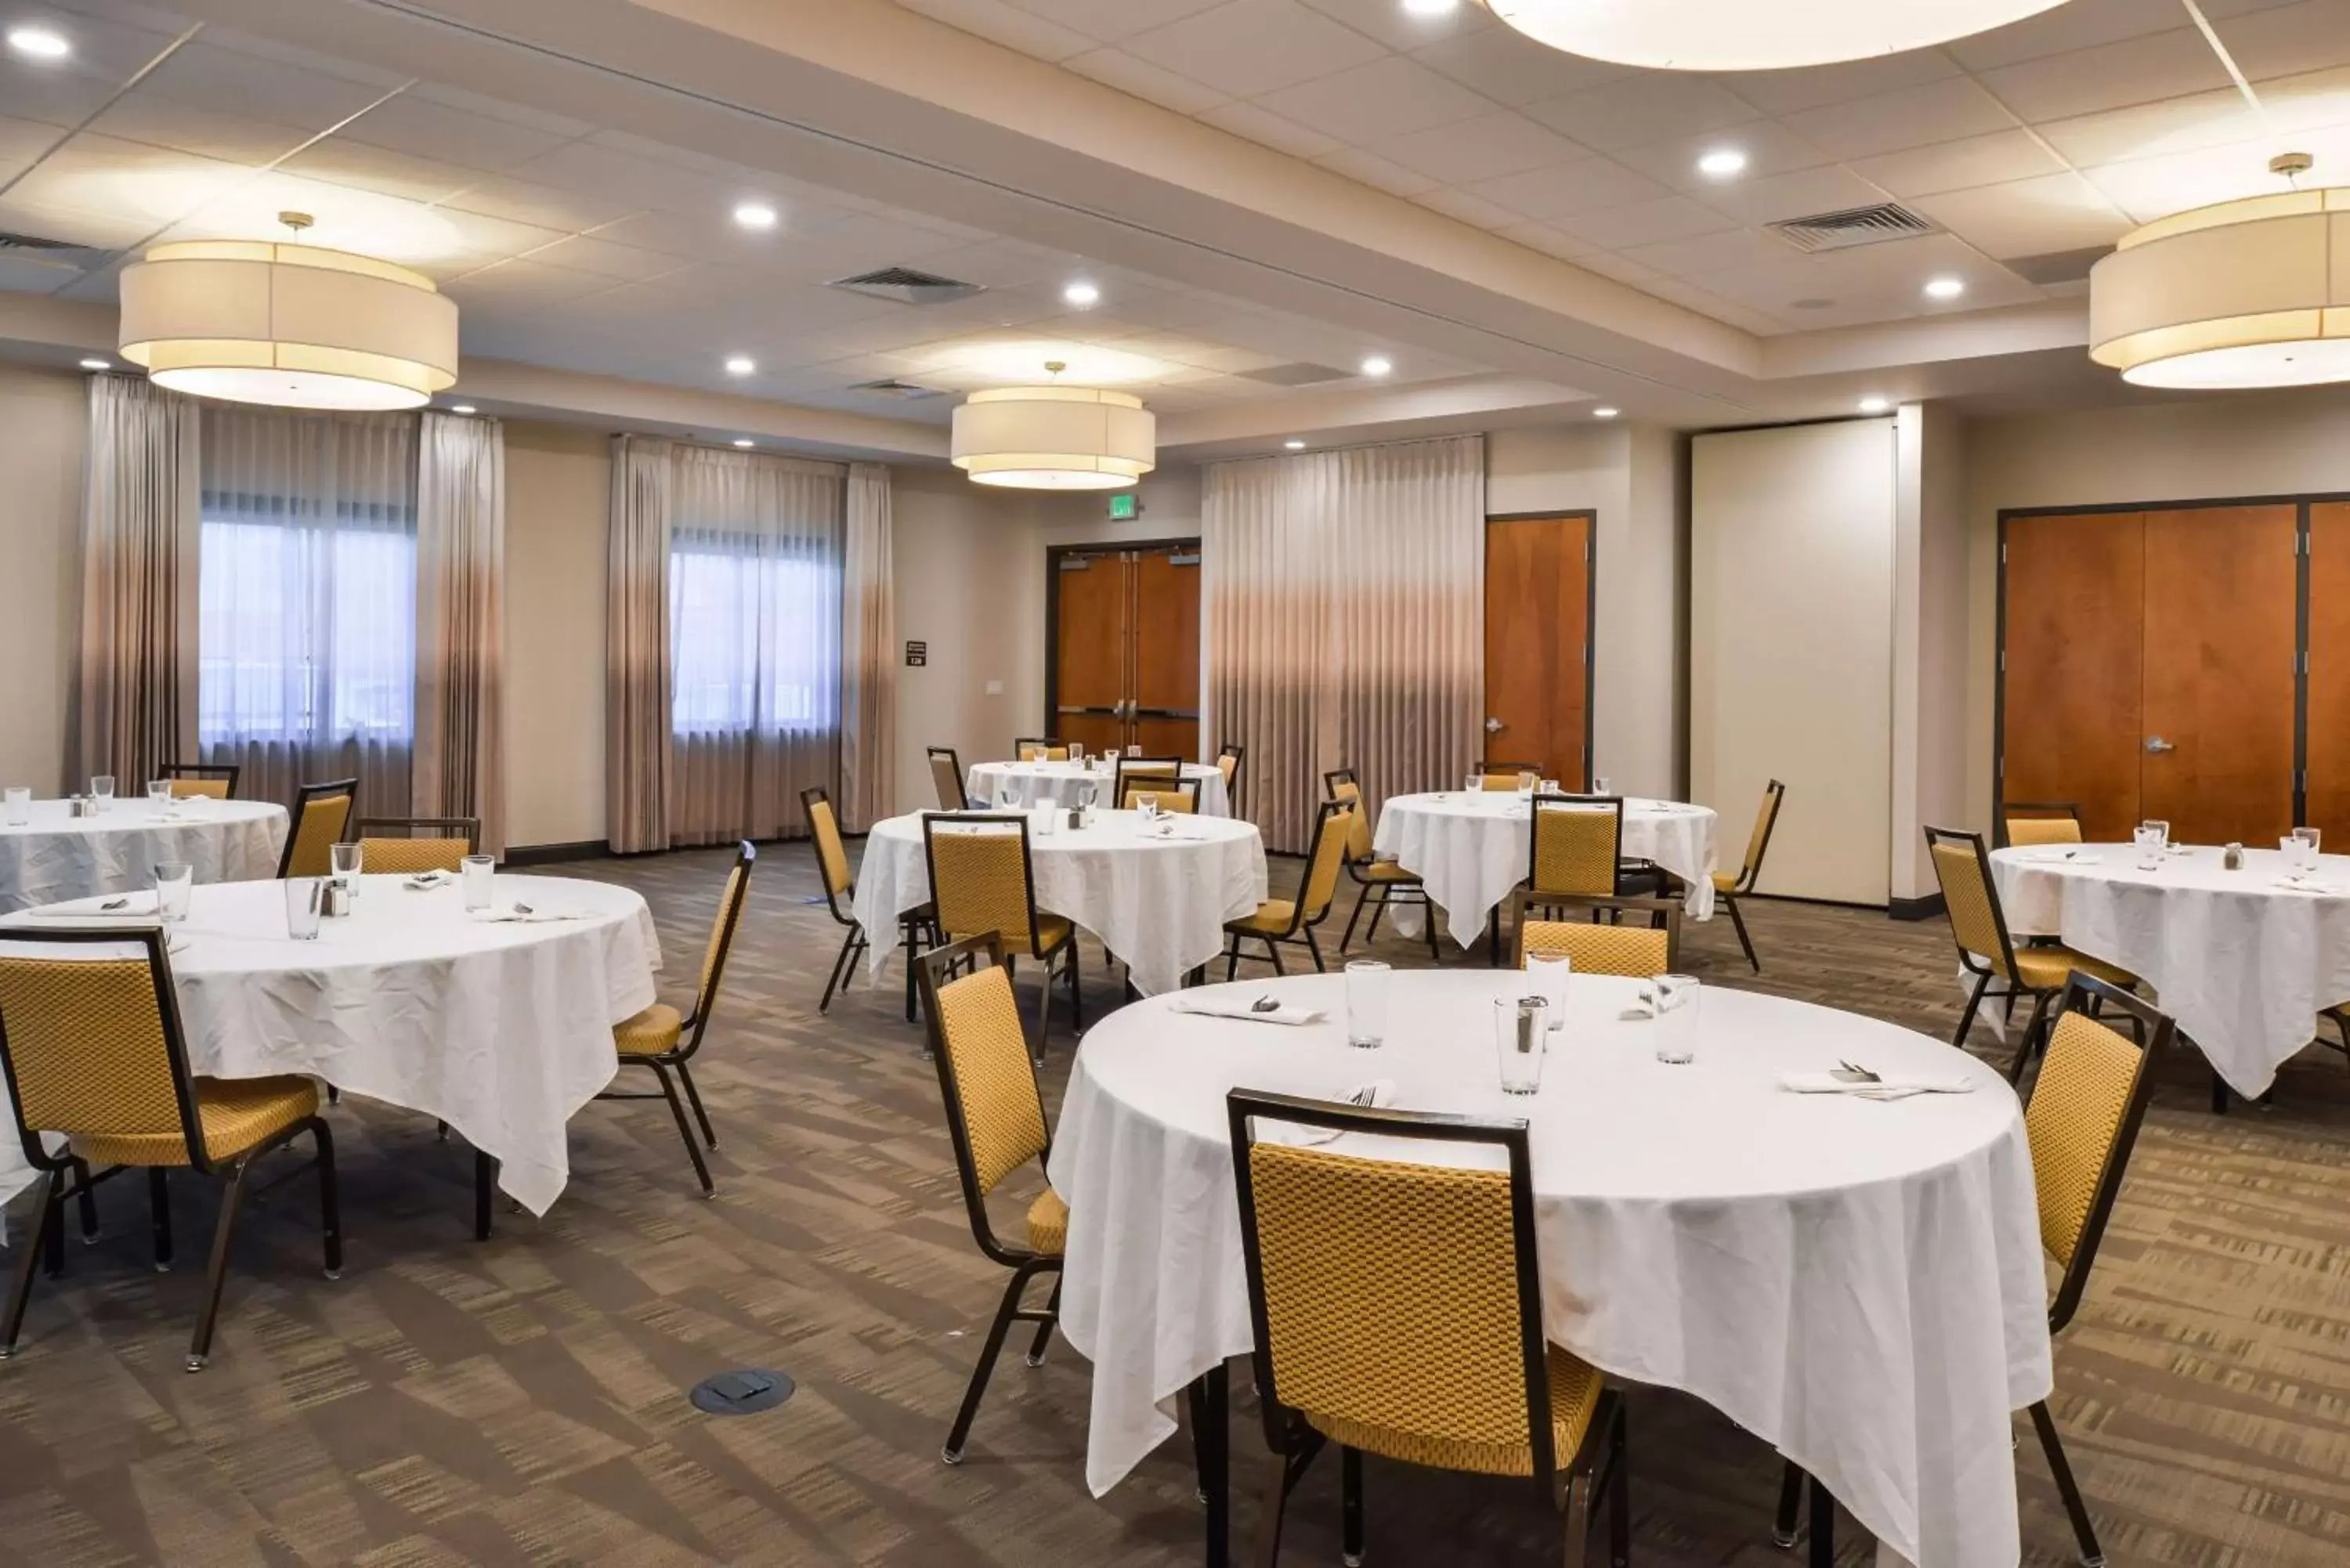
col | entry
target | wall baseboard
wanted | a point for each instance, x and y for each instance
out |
(1928, 907)
(553, 854)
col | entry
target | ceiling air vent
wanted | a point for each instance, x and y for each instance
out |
(1300, 373)
(907, 286)
(41, 252)
(890, 387)
(1854, 226)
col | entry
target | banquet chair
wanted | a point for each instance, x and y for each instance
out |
(1280, 922)
(419, 843)
(1962, 868)
(1501, 777)
(1178, 796)
(914, 926)
(661, 1038)
(93, 1048)
(2080, 1121)
(2029, 823)
(1729, 885)
(321, 811)
(1040, 749)
(983, 883)
(1344, 1256)
(1575, 847)
(1158, 772)
(1231, 757)
(1650, 948)
(1382, 881)
(996, 1118)
(214, 780)
(946, 777)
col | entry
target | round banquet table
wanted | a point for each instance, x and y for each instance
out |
(2243, 960)
(1857, 1283)
(1472, 847)
(501, 1028)
(1036, 783)
(57, 855)
(1157, 903)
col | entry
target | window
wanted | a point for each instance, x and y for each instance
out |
(754, 637)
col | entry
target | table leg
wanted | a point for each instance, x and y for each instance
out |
(1823, 1526)
(1493, 938)
(1210, 1395)
(485, 1190)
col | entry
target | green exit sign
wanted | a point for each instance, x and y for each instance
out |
(1125, 506)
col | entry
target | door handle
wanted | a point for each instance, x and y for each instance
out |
(2155, 743)
(1494, 726)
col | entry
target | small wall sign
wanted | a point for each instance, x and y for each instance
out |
(1125, 506)
(917, 654)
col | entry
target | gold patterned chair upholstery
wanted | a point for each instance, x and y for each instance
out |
(1231, 757)
(1728, 887)
(405, 846)
(1500, 777)
(92, 1046)
(946, 777)
(2031, 823)
(1576, 847)
(1651, 947)
(321, 811)
(1397, 1310)
(661, 1040)
(1280, 922)
(1383, 882)
(1130, 774)
(1040, 749)
(1178, 796)
(996, 1119)
(214, 781)
(1962, 868)
(983, 883)
(914, 927)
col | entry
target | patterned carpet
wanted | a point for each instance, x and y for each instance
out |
(523, 1401)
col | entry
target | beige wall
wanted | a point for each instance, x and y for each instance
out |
(557, 495)
(1929, 638)
(961, 558)
(43, 420)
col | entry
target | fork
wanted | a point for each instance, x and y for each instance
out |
(1851, 1073)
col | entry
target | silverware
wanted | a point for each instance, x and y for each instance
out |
(524, 910)
(1261, 1005)
(1364, 1098)
(116, 903)
(1851, 1073)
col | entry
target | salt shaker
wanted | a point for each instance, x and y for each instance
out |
(2232, 858)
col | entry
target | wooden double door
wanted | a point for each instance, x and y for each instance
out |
(1538, 585)
(1126, 648)
(2191, 665)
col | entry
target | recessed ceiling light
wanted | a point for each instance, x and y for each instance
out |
(461, 408)
(1875, 405)
(742, 441)
(755, 215)
(1081, 293)
(1294, 446)
(740, 365)
(1722, 163)
(1378, 365)
(98, 364)
(1945, 287)
(1604, 413)
(1432, 7)
(39, 43)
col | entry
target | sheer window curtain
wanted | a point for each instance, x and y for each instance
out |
(1345, 604)
(869, 654)
(461, 528)
(637, 751)
(308, 581)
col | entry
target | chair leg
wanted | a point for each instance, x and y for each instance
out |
(1974, 1006)
(961, 1433)
(1210, 1398)
(200, 1348)
(840, 969)
(1350, 1507)
(28, 1258)
(1823, 1526)
(1316, 948)
(1231, 959)
(2030, 1044)
(1619, 1493)
(1738, 923)
(1378, 912)
(2219, 1094)
(1791, 1502)
(485, 1188)
(1272, 954)
(331, 1198)
(911, 955)
(2085, 1533)
(1274, 1513)
(1077, 990)
(1044, 1330)
(685, 1129)
(1044, 1011)
(1348, 936)
(86, 1197)
(159, 1215)
(693, 1098)
(1578, 1520)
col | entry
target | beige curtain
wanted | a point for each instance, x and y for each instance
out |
(869, 654)
(1346, 606)
(461, 551)
(135, 704)
(636, 647)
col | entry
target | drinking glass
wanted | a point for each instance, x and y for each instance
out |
(1006, 797)
(1077, 753)
(20, 804)
(175, 880)
(1548, 973)
(1676, 1003)
(1149, 808)
(1599, 786)
(345, 860)
(101, 791)
(158, 794)
(2148, 840)
(2161, 829)
(478, 872)
(1521, 1035)
(1042, 819)
(303, 897)
(1526, 781)
(2307, 838)
(1135, 750)
(1366, 1003)
(1475, 782)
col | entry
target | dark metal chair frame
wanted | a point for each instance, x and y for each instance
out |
(469, 828)
(962, 800)
(228, 772)
(1599, 1468)
(1048, 741)
(47, 1239)
(1122, 766)
(1611, 803)
(1239, 753)
(304, 797)
(914, 926)
(1774, 794)
(936, 968)
(1301, 928)
(680, 1057)
(1159, 783)
(1415, 891)
(2035, 1030)
(1065, 949)
(1665, 913)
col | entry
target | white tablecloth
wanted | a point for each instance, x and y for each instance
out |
(502, 1029)
(1472, 848)
(2241, 962)
(57, 855)
(1160, 904)
(1036, 783)
(1858, 1284)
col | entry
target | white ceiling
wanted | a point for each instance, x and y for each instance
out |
(2054, 135)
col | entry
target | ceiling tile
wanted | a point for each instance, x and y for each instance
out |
(1469, 209)
(1486, 148)
(1741, 249)
(1513, 70)
(1801, 194)
(106, 230)
(1645, 222)
(1398, 28)
(1577, 187)
(1771, 148)
(1108, 23)
(2001, 155)
(2152, 129)
(546, 206)
(1390, 96)
(204, 76)
(422, 128)
(22, 143)
(129, 180)
(2029, 217)
(1140, 78)
(2290, 39)
(1551, 242)
(1251, 47)
(526, 285)
(2150, 187)
(380, 169)
(1273, 131)
(1784, 92)
(230, 138)
(606, 259)
(1372, 170)
(623, 178)
(2112, 76)
(1633, 112)
(505, 111)
(1937, 111)
(1014, 26)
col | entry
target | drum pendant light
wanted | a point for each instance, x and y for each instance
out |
(1054, 437)
(289, 324)
(1750, 35)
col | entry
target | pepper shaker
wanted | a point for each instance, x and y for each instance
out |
(2232, 858)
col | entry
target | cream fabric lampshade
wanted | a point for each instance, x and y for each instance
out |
(251, 321)
(1752, 34)
(1054, 438)
(2254, 293)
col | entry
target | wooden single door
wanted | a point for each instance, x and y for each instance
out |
(1126, 658)
(1166, 661)
(1538, 644)
(2223, 585)
(1091, 595)
(2325, 780)
(2071, 682)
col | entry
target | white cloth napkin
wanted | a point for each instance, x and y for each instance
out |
(1239, 1008)
(2303, 885)
(425, 881)
(1892, 1088)
(529, 918)
(135, 907)
(2047, 857)
(1377, 1095)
